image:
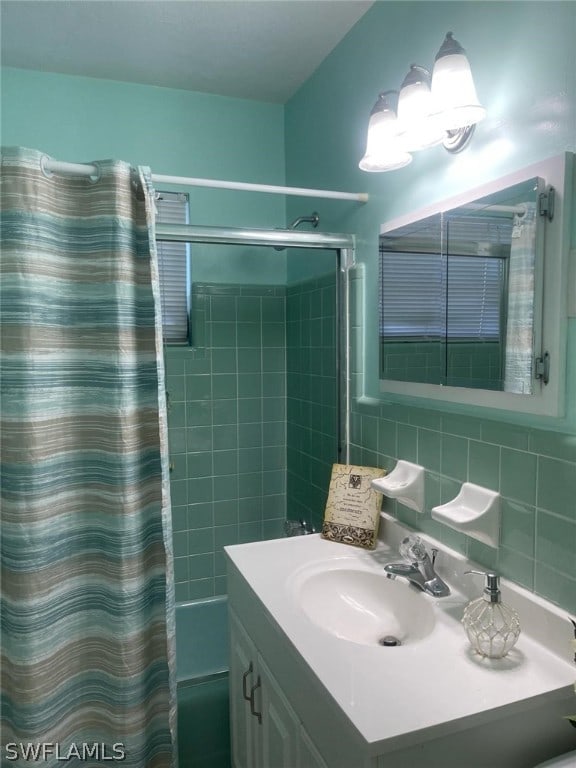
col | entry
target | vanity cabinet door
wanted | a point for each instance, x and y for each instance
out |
(266, 732)
(243, 676)
(280, 725)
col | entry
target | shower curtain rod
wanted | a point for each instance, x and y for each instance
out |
(80, 169)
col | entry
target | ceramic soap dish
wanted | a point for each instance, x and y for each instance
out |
(475, 512)
(405, 484)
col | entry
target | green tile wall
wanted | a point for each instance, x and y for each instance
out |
(533, 469)
(312, 407)
(227, 430)
(253, 422)
(460, 364)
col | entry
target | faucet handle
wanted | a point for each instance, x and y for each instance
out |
(413, 550)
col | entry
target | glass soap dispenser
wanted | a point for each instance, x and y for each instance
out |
(492, 626)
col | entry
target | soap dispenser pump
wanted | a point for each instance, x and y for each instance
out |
(492, 626)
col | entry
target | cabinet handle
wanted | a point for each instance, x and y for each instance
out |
(244, 678)
(252, 706)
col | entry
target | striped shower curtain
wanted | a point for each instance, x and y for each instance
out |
(87, 667)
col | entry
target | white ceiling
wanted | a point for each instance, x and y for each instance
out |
(253, 49)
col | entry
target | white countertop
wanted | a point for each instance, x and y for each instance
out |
(436, 682)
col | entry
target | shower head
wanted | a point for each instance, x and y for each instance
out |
(313, 219)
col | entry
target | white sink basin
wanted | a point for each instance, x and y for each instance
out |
(362, 606)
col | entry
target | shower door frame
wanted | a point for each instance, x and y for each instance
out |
(345, 247)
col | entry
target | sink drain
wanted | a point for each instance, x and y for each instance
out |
(389, 641)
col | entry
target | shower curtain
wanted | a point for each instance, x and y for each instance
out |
(87, 595)
(520, 314)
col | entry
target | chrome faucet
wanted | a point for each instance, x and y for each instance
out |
(418, 568)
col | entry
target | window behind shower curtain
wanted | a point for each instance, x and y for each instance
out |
(174, 269)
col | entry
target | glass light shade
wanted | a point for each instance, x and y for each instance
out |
(417, 114)
(453, 90)
(383, 150)
(385, 161)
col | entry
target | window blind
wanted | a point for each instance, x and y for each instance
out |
(174, 270)
(474, 297)
(422, 298)
(427, 295)
(478, 248)
(412, 295)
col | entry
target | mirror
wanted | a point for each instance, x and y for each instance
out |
(457, 294)
(473, 301)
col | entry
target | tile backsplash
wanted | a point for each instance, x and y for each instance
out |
(533, 469)
(253, 434)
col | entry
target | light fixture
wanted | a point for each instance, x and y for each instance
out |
(417, 113)
(441, 108)
(383, 149)
(454, 94)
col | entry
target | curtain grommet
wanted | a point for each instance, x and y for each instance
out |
(46, 171)
(94, 178)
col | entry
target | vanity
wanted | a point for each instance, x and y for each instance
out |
(314, 684)
(332, 663)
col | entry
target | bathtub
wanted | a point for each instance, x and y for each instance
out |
(202, 675)
(201, 638)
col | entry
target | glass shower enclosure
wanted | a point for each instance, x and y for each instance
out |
(258, 404)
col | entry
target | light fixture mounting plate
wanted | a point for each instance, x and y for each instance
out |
(456, 140)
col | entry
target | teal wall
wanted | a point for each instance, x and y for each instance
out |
(175, 132)
(524, 63)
